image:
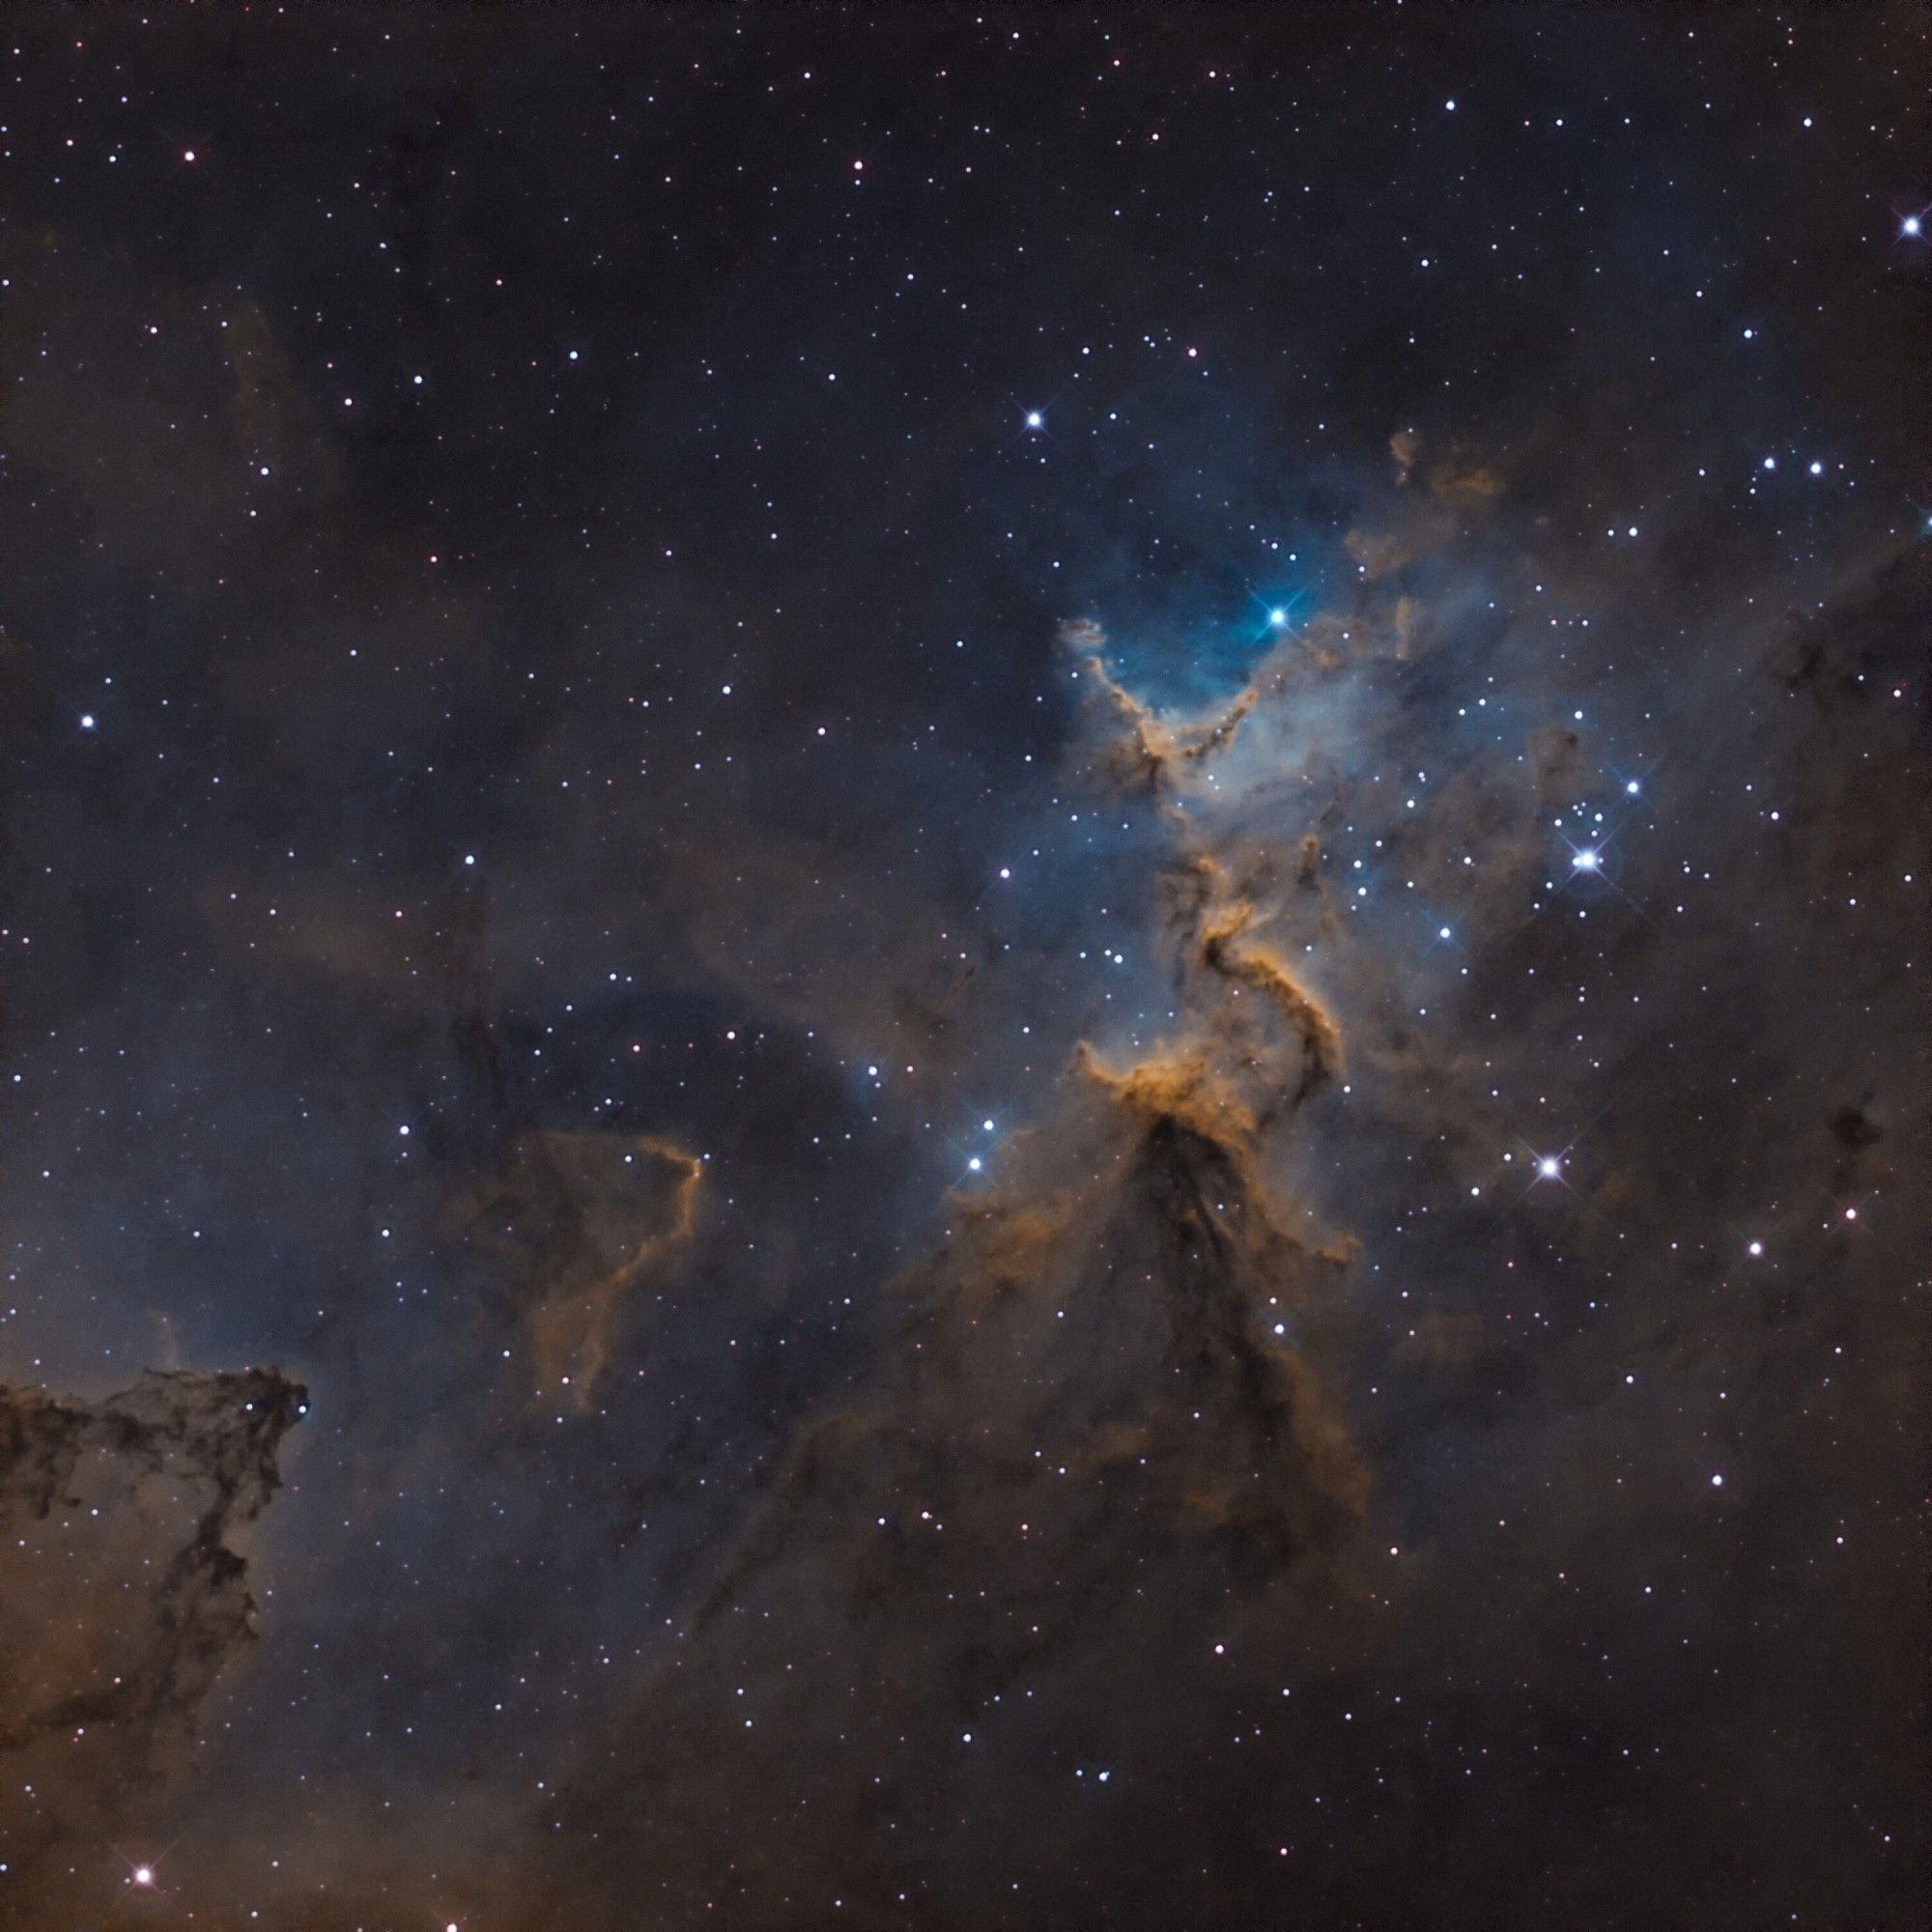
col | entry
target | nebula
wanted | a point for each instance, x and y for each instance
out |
(121, 1598)
(581, 1223)
(1030, 912)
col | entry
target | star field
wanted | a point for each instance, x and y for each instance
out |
(962, 970)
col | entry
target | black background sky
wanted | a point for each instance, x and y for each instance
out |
(1002, 923)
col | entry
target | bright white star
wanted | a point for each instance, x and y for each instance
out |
(1585, 860)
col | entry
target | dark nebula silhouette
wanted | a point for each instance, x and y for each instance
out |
(121, 1599)
(963, 973)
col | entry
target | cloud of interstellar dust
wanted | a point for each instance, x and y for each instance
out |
(1141, 753)
(578, 1223)
(1103, 1421)
(120, 1599)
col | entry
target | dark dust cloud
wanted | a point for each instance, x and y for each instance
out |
(962, 971)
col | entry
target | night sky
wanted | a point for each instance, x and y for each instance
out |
(962, 970)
